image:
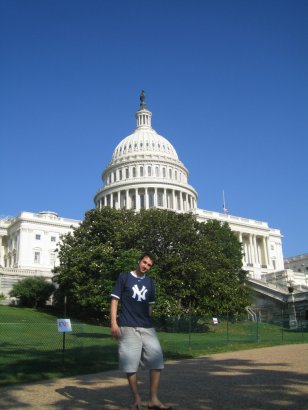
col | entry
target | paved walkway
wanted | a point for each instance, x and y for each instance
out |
(274, 378)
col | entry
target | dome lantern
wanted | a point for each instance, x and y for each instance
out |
(143, 116)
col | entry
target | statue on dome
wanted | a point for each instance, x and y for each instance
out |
(142, 100)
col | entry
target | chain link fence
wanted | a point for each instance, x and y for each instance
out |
(33, 348)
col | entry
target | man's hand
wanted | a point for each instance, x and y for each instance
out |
(115, 331)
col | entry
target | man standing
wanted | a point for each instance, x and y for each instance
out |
(138, 342)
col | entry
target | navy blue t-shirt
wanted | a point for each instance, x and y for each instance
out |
(136, 294)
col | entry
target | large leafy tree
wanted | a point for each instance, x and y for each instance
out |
(93, 255)
(198, 264)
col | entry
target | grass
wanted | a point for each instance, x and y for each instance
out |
(32, 347)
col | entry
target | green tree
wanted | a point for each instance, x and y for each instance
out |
(92, 257)
(198, 265)
(32, 291)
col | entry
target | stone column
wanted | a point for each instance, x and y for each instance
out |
(119, 200)
(256, 250)
(266, 250)
(146, 198)
(137, 200)
(155, 198)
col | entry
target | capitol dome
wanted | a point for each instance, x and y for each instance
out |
(145, 172)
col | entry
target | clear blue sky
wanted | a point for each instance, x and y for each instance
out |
(226, 81)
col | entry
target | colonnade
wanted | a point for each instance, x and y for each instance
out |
(256, 250)
(146, 198)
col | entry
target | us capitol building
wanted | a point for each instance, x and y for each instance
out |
(144, 172)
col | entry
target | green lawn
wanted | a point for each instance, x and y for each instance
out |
(32, 347)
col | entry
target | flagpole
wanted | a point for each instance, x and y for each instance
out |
(224, 202)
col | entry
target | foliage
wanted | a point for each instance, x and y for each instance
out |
(32, 291)
(198, 265)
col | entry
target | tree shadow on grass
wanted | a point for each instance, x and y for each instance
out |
(218, 382)
(29, 365)
(91, 335)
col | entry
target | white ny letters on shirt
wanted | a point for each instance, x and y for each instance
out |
(139, 293)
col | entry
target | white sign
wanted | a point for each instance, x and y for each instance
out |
(215, 321)
(64, 325)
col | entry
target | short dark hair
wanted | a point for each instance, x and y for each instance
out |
(149, 255)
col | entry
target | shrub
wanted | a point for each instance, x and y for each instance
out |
(32, 291)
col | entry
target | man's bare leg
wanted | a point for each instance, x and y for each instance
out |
(133, 384)
(154, 385)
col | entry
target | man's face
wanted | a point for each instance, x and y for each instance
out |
(145, 264)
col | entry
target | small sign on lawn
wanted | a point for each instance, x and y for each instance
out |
(64, 325)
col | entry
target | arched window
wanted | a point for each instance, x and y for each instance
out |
(149, 171)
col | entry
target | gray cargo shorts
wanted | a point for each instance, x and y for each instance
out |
(139, 346)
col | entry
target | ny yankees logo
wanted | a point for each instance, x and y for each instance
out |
(140, 293)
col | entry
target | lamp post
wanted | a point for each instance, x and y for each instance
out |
(292, 314)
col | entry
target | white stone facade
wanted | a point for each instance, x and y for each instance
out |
(262, 245)
(299, 266)
(28, 245)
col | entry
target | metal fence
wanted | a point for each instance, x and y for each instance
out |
(34, 348)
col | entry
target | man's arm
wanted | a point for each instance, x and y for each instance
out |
(115, 330)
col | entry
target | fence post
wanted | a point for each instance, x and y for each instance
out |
(189, 327)
(282, 326)
(257, 329)
(301, 319)
(63, 337)
(227, 324)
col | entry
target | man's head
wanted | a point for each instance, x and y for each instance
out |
(145, 263)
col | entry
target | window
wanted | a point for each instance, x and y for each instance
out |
(164, 172)
(37, 256)
(37, 236)
(142, 201)
(178, 201)
(157, 171)
(120, 174)
(160, 199)
(141, 171)
(149, 171)
(52, 259)
(123, 200)
(53, 239)
(134, 172)
(151, 199)
(127, 173)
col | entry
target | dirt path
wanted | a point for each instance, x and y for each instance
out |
(265, 378)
